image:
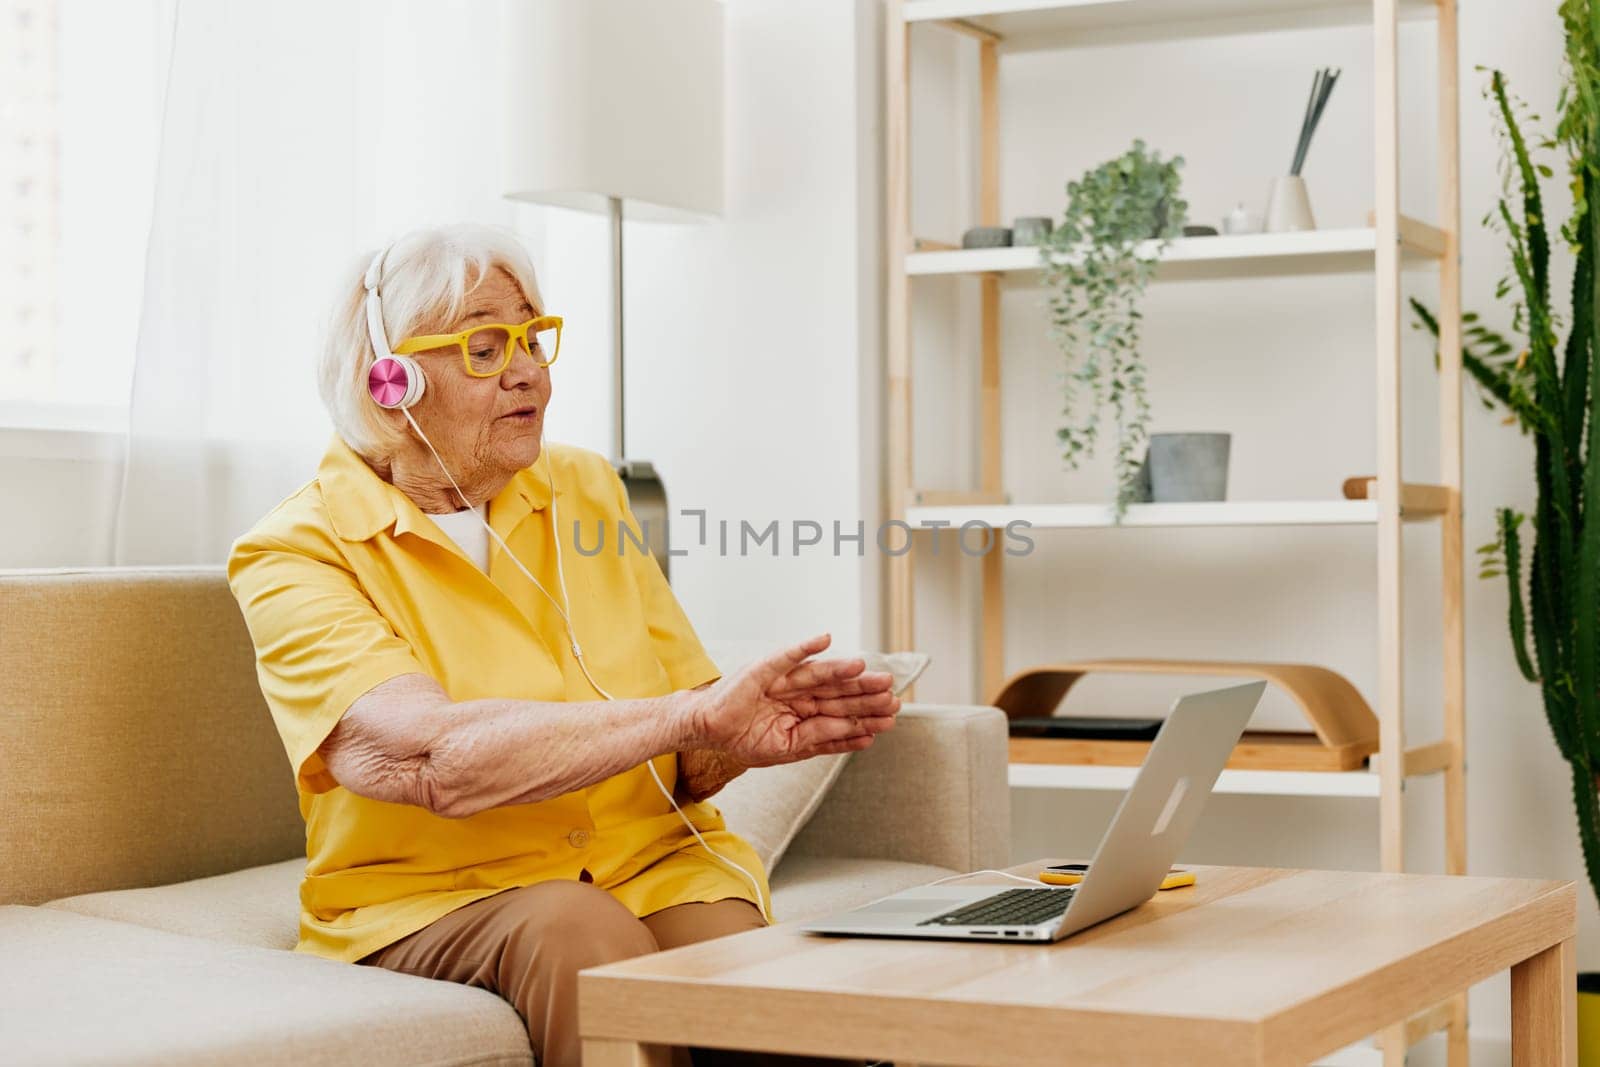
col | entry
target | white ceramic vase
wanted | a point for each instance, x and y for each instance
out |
(1289, 205)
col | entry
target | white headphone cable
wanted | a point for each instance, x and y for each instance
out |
(572, 637)
(467, 502)
(1004, 874)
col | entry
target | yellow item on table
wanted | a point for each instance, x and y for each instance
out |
(348, 583)
(1175, 879)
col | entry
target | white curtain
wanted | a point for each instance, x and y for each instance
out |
(295, 135)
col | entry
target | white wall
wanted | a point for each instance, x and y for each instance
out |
(751, 341)
(1286, 366)
(57, 497)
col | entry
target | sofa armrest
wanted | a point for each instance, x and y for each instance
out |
(932, 790)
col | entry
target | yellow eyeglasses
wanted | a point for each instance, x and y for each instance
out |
(487, 350)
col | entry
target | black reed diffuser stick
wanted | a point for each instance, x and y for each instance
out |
(1321, 89)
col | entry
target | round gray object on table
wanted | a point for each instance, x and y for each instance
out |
(987, 237)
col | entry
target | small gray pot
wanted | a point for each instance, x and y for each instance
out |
(1188, 467)
(987, 237)
(1030, 230)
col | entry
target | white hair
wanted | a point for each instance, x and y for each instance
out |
(427, 275)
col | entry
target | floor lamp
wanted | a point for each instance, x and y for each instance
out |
(615, 106)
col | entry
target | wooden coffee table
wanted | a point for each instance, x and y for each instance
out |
(1249, 966)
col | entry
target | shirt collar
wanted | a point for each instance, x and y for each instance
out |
(360, 504)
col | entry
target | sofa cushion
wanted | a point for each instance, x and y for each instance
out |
(805, 887)
(139, 750)
(79, 990)
(768, 806)
(260, 906)
(935, 793)
(256, 906)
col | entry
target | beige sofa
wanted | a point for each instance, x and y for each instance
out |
(150, 846)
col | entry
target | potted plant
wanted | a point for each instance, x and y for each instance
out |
(1098, 262)
(1551, 389)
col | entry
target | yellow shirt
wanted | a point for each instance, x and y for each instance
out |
(348, 583)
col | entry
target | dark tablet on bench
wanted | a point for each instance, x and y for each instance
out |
(1080, 728)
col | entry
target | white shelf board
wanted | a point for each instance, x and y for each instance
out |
(1251, 783)
(1058, 23)
(1224, 256)
(1221, 513)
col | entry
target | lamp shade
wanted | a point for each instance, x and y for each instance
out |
(615, 98)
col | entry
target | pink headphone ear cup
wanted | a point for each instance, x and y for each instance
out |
(396, 382)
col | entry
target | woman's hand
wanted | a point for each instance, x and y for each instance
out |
(786, 707)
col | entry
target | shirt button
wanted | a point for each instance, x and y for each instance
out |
(578, 838)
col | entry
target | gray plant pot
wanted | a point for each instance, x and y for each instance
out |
(1031, 230)
(987, 237)
(1188, 467)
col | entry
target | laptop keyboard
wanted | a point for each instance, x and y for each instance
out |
(1013, 907)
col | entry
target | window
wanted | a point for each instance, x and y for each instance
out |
(80, 122)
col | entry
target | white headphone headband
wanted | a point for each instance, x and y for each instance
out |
(375, 331)
(375, 269)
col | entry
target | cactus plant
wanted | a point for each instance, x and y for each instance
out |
(1552, 391)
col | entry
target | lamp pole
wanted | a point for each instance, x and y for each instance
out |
(619, 434)
(647, 496)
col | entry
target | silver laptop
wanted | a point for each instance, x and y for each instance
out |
(1133, 858)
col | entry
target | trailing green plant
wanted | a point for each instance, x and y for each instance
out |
(1551, 389)
(1098, 262)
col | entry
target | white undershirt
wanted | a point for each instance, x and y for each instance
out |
(466, 529)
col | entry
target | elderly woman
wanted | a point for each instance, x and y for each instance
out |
(503, 748)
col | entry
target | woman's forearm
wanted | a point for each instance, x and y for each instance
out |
(405, 742)
(520, 752)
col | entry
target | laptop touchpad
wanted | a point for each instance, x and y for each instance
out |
(898, 906)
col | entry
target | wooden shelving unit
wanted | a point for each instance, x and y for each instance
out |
(1221, 513)
(1254, 255)
(1254, 783)
(1389, 244)
(1035, 23)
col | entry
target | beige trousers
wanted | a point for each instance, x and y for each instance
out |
(529, 944)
